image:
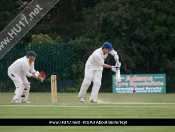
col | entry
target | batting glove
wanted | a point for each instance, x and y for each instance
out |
(118, 64)
(114, 68)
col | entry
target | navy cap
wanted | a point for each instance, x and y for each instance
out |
(107, 45)
(31, 53)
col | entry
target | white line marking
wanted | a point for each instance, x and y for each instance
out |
(88, 105)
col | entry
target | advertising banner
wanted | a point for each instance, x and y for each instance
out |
(140, 83)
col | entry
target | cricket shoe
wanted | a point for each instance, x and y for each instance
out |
(81, 99)
(15, 101)
(93, 101)
(28, 102)
(23, 101)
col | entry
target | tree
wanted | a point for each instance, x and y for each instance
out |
(8, 11)
(42, 38)
(141, 31)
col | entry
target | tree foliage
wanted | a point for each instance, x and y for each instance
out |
(41, 38)
(142, 32)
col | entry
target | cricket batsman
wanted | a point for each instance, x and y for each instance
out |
(93, 71)
(18, 71)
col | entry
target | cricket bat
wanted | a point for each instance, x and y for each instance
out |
(118, 77)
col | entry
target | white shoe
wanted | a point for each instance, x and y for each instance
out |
(28, 102)
(15, 101)
(81, 99)
(93, 101)
(22, 101)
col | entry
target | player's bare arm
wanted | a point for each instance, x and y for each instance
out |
(106, 66)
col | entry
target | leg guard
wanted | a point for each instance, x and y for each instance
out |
(96, 86)
(18, 92)
(84, 87)
(89, 72)
(94, 92)
(25, 95)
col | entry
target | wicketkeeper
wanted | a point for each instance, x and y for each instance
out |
(19, 71)
(93, 71)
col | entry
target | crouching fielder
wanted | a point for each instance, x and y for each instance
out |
(93, 71)
(18, 71)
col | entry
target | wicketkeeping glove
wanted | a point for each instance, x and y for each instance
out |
(40, 76)
(43, 75)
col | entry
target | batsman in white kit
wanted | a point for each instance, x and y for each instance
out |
(18, 71)
(93, 71)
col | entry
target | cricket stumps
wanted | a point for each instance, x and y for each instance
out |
(54, 88)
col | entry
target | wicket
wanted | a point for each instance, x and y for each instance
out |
(54, 88)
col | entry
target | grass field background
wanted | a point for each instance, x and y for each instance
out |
(109, 105)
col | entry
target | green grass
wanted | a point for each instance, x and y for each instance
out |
(88, 129)
(109, 106)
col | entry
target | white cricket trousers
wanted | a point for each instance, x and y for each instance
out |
(91, 75)
(22, 86)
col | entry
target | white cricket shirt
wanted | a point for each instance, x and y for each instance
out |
(96, 60)
(22, 67)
